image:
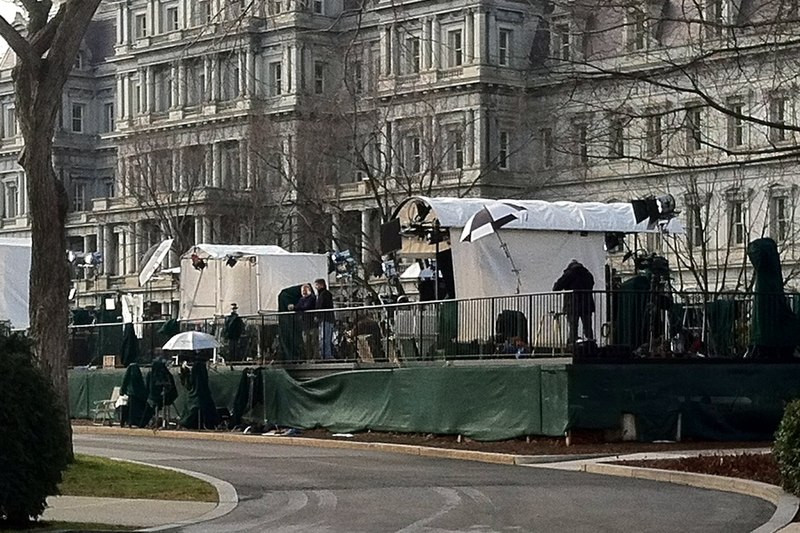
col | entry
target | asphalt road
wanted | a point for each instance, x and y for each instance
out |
(302, 489)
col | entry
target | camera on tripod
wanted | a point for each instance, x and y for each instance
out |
(656, 265)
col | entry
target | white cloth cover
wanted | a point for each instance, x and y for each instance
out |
(15, 273)
(253, 283)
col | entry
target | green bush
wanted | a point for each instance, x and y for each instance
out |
(787, 448)
(34, 448)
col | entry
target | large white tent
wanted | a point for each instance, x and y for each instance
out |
(250, 276)
(15, 272)
(545, 238)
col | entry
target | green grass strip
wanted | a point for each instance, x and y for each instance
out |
(99, 477)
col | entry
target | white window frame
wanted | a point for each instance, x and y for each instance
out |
(735, 123)
(737, 220)
(654, 145)
(109, 117)
(78, 195)
(140, 25)
(778, 110)
(276, 78)
(319, 77)
(694, 128)
(455, 156)
(413, 55)
(504, 46)
(562, 41)
(78, 120)
(11, 200)
(10, 122)
(780, 215)
(171, 19)
(414, 153)
(455, 48)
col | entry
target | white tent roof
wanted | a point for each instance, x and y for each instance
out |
(542, 215)
(221, 251)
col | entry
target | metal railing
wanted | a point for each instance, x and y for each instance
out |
(618, 324)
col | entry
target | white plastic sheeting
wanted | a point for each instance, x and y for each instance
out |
(15, 272)
(253, 283)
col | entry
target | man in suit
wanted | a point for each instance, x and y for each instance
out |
(579, 304)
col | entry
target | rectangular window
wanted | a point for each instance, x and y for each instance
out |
(10, 122)
(275, 7)
(456, 46)
(319, 77)
(637, 30)
(78, 115)
(582, 142)
(78, 62)
(108, 188)
(108, 117)
(358, 76)
(140, 25)
(503, 47)
(456, 150)
(78, 196)
(696, 222)
(735, 124)
(171, 18)
(319, 7)
(413, 55)
(716, 18)
(777, 118)
(616, 140)
(202, 14)
(503, 150)
(11, 200)
(694, 129)
(780, 218)
(546, 139)
(276, 78)
(562, 42)
(415, 152)
(737, 226)
(230, 77)
(655, 135)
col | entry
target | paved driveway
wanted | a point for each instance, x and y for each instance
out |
(303, 489)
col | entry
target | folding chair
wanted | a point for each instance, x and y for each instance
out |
(106, 410)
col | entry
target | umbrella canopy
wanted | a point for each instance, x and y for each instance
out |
(153, 258)
(191, 340)
(488, 220)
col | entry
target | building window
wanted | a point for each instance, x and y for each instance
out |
(78, 196)
(415, 154)
(358, 76)
(696, 221)
(10, 122)
(202, 14)
(562, 42)
(582, 143)
(274, 7)
(108, 188)
(78, 115)
(503, 47)
(78, 61)
(140, 25)
(11, 200)
(716, 18)
(230, 76)
(195, 83)
(780, 217)
(170, 18)
(546, 149)
(503, 150)
(777, 118)
(163, 88)
(319, 7)
(275, 77)
(456, 46)
(637, 30)
(737, 227)
(616, 140)
(694, 129)
(655, 134)
(412, 55)
(319, 77)
(735, 124)
(456, 150)
(108, 117)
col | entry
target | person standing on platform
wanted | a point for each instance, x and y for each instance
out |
(325, 318)
(307, 302)
(232, 330)
(579, 304)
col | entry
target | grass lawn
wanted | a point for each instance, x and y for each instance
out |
(95, 476)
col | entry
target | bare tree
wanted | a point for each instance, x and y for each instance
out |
(45, 54)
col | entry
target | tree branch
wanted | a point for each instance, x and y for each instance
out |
(43, 39)
(16, 41)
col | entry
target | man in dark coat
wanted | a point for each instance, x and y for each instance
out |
(232, 330)
(325, 318)
(307, 302)
(579, 304)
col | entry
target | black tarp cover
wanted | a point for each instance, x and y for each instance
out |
(774, 329)
(138, 411)
(130, 345)
(161, 390)
(201, 411)
(248, 405)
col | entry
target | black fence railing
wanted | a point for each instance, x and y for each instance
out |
(616, 324)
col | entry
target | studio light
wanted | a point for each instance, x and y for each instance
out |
(654, 208)
(197, 262)
(231, 261)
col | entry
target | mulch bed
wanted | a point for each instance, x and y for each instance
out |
(756, 467)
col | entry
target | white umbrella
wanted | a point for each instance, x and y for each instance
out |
(191, 340)
(155, 255)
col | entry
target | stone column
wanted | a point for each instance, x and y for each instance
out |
(250, 175)
(426, 44)
(198, 230)
(177, 81)
(291, 77)
(385, 36)
(215, 81)
(101, 247)
(469, 138)
(480, 37)
(469, 38)
(241, 57)
(181, 83)
(151, 90)
(156, 17)
(479, 141)
(366, 234)
(120, 103)
(175, 178)
(251, 72)
(207, 231)
(120, 27)
(436, 44)
(395, 59)
(491, 38)
(108, 249)
(208, 171)
(216, 170)
(121, 270)
(336, 221)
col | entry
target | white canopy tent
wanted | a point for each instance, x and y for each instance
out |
(15, 272)
(250, 276)
(546, 237)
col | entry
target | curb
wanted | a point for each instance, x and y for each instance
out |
(786, 505)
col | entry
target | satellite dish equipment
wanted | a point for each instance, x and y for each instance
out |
(152, 265)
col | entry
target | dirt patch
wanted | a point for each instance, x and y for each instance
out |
(756, 467)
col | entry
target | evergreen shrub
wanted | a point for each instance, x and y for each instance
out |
(787, 448)
(34, 445)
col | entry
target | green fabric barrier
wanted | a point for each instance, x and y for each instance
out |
(722, 401)
(483, 403)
